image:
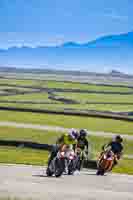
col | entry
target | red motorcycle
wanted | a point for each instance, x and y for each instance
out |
(105, 162)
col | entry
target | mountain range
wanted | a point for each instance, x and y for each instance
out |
(100, 55)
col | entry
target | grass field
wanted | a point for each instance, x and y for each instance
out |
(66, 85)
(81, 86)
(112, 98)
(90, 123)
(124, 166)
(39, 157)
(48, 137)
(23, 156)
(83, 99)
(10, 88)
(50, 105)
(20, 82)
(36, 157)
(28, 97)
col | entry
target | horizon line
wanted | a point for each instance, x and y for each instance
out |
(65, 43)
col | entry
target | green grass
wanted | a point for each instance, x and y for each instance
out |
(39, 157)
(90, 123)
(12, 133)
(125, 166)
(112, 98)
(66, 85)
(98, 142)
(20, 82)
(11, 88)
(56, 84)
(27, 97)
(56, 105)
(80, 97)
(23, 156)
(36, 157)
(48, 137)
(52, 105)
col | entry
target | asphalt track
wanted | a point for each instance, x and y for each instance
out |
(30, 182)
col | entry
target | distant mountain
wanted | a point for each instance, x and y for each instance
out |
(114, 40)
(71, 45)
(100, 55)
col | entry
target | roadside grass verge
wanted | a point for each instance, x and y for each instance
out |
(98, 142)
(59, 106)
(65, 85)
(82, 98)
(90, 123)
(12, 155)
(14, 89)
(24, 134)
(22, 155)
(85, 86)
(48, 137)
(28, 97)
(125, 166)
(114, 98)
(15, 155)
(20, 82)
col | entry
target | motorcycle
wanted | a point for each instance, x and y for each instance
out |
(57, 165)
(64, 161)
(105, 162)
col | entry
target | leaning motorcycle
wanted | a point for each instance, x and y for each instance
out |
(57, 165)
(105, 162)
(64, 161)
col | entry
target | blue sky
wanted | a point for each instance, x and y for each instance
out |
(51, 22)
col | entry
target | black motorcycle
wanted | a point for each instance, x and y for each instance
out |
(63, 162)
(57, 165)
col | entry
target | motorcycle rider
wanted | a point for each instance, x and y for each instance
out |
(83, 145)
(65, 142)
(116, 147)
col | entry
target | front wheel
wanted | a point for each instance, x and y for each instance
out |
(100, 172)
(71, 168)
(59, 167)
(49, 172)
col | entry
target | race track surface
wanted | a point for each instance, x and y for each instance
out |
(30, 182)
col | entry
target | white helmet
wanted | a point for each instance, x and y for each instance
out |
(73, 134)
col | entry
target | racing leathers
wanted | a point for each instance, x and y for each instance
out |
(62, 144)
(116, 148)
